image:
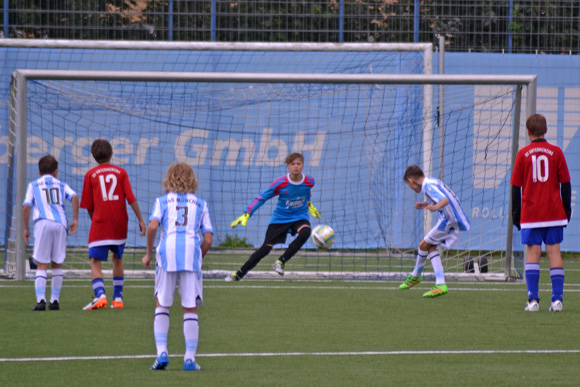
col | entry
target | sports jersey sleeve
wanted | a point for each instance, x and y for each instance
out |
(517, 179)
(563, 173)
(127, 189)
(206, 221)
(434, 193)
(29, 198)
(156, 213)
(69, 193)
(262, 198)
(87, 196)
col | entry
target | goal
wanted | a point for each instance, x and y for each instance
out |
(358, 133)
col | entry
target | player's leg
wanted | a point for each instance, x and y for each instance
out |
(40, 285)
(191, 292)
(554, 237)
(416, 275)
(532, 238)
(58, 256)
(437, 237)
(118, 276)
(164, 290)
(97, 255)
(254, 259)
(303, 229)
(41, 257)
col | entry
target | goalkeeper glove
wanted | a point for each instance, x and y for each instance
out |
(242, 219)
(313, 210)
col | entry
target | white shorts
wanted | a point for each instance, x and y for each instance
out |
(190, 288)
(49, 242)
(445, 238)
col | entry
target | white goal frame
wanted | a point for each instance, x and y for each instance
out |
(18, 106)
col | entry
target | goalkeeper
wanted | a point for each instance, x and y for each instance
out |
(290, 216)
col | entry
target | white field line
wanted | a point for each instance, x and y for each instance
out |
(291, 354)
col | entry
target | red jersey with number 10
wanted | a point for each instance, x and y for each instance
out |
(539, 169)
(105, 189)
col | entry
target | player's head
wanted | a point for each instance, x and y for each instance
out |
(47, 165)
(180, 178)
(294, 156)
(102, 151)
(536, 125)
(414, 177)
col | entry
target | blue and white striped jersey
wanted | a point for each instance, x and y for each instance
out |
(435, 190)
(184, 218)
(46, 196)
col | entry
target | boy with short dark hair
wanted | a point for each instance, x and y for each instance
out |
(105, 190)
(46, 197)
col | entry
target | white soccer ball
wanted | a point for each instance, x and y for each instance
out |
(322, 236)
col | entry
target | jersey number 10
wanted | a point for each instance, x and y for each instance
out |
(540, 170)
(108, 194)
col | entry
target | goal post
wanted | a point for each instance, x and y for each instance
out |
(358, 133)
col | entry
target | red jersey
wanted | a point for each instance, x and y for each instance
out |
(539, 170)
(105, 189)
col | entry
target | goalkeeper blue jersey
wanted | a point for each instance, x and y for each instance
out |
(292, 202)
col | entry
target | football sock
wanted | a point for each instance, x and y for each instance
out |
(118, 283)
(420, 264)
(40, 285)
(161, 329)
(557, 276)
(191, 334)
(533, 280)
(56, 285)
(98, 287)
(296, 244)
(435, 259)
(254, 260)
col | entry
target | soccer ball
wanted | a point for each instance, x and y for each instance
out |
(322, 236)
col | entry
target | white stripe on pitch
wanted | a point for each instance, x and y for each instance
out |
(290, 354)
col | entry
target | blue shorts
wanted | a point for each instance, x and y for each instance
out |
(548, 235)
(102, 252)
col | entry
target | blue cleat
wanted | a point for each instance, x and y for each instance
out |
(190, 365)
(161, 362)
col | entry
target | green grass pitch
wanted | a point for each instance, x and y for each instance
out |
(299, 333)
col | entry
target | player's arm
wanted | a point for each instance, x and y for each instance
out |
(256, 203)
(151, 235)
(421, 205)
(206, 244)
(74, 224)
(516, 205)
(566, 193)
(26, 219)
(135, 206)
(436, 207)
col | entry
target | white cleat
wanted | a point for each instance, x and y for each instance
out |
(556, 306)
(278, 267)
(532, 306)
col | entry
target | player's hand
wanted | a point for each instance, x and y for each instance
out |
(142, 228)
(242, 219)
(313, 210)
(73, 227)
(26, 235)
(146, 261)
(421, 205)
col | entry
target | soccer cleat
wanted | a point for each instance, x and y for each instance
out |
(233, 277)
(161, 362)
(117, 303)
(278, 267)
(410, 282)
(190, 365)
(40, 305)
(532, 306)
(97, 303)
(54, 305)
(556, 306)
(436, 291)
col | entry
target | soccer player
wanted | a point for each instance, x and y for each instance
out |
(46, 197)
(184, 220)
(105, 189)
(289, 216)
(541, 190)
(452, 219)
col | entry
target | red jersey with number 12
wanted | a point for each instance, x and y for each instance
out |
(539, 169)
(105, 189)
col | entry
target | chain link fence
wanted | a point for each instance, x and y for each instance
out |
(529, 26)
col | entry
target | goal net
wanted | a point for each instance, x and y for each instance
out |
(358, 133)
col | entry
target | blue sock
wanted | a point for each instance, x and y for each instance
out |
(533, 280)
(557, 275)
(98, 287)
(118, 283)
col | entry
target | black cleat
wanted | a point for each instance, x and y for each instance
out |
(54, 305)
(40, 306)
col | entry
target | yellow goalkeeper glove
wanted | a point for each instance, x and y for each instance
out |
(242, 219)
(313, 210)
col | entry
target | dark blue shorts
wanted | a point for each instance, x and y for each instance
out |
(548, 235)
(102, 252)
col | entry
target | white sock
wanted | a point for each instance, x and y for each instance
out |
(420, 264)
(437, 268)
(40, 285)
(56, 285)
(191, 334)
(161, 329)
